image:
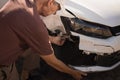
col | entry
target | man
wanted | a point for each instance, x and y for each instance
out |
(20, 29)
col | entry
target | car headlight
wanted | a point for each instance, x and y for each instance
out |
(90, 29)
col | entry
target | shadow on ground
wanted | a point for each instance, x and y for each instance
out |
(48, 73)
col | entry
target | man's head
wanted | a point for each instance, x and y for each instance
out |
(47, 7)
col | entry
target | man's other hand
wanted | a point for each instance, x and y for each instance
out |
(58, 40)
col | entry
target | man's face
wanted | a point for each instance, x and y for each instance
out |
(50, 7)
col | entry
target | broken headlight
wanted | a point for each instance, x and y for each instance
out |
(90, 29)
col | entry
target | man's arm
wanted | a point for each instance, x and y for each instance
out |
(60, 66)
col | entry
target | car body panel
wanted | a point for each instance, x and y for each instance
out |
(95, 68)
(105, 12)
(99, 46)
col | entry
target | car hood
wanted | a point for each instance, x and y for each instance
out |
(105, 12)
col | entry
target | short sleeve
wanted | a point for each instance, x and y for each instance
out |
(31, 29)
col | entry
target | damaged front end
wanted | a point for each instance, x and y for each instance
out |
(92, 29)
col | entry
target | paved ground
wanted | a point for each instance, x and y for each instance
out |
(49, 73)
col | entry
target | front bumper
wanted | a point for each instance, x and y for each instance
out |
(98, 46)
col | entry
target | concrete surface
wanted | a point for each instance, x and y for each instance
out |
(48, 73)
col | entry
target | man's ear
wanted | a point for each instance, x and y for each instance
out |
(50, 2)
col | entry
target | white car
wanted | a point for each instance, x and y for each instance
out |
(96, 26)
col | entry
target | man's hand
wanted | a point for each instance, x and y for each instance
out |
(78, 74)
(58, 40)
